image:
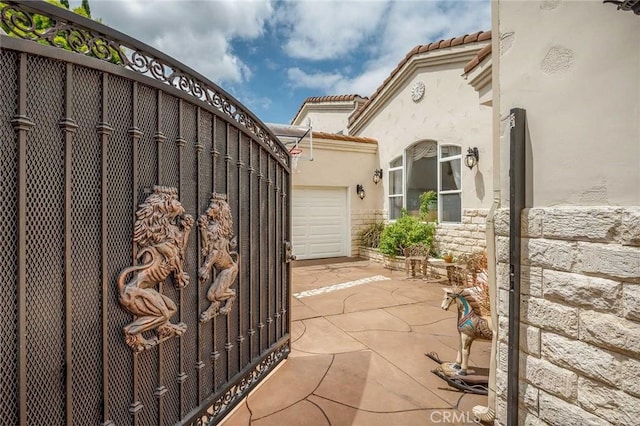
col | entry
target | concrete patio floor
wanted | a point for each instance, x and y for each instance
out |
(359, 334)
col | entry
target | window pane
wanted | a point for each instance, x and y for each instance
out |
(395, 182)
(422, 176)
(450, 150)
(450, 175)
(396, 163)
(451, 207)
(395, 208)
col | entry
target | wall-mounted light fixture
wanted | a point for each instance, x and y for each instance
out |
(630, 5)
(377, 176)
(360, 191)
(471, 159)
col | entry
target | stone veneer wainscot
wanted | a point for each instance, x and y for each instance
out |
(580, 316)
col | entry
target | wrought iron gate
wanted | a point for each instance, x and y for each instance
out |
(96, 136)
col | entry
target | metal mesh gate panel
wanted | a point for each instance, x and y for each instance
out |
(89, 137)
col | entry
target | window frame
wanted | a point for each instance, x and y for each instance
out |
(440, 160)
(441, 192)
(401, 169)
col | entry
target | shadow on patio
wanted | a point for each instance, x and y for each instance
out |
(359, 335)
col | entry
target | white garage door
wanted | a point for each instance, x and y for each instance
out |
(319, 222)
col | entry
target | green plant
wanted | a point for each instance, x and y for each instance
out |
(370, 235)
(427, 201)
(406, 231)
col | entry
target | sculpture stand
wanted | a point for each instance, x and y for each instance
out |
(475, 381)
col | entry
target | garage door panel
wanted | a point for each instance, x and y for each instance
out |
(319, 222)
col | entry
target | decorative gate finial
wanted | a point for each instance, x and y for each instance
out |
(216, 231)
(160, 232)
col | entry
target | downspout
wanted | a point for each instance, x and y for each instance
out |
(487, 414)
(517, 125)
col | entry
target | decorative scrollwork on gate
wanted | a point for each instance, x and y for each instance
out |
(218, 247)
(69, 31)
(161, 232)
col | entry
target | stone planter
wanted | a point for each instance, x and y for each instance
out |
(395, 263)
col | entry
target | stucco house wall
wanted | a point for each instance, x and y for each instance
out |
(450, 112)
(328, 113)
(576, 73)
(344, 164)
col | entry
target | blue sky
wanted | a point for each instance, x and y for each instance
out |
(271, 55)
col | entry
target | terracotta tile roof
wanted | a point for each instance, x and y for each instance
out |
(336, 137)
(330, 98)
(456, 41)
(482, 54)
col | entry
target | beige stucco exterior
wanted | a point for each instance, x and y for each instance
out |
(344, 164)
(576, 72)
(449, 113)
(574, 66)
(327, 116)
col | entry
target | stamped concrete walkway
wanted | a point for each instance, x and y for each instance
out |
(359, 333)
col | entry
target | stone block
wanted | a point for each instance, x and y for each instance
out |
(581, 223)
(612, 260)
(630, 227)
(550, 378)
(503, 303)
(501, 382)
(502, 276)
(470, 212)
(479, 235)
(555, 411)
(631, 301)
(503, 356)
(581, 290)
(612, 404)
(530, 339)
(549, 254)
(530, 419)
(531, 280)
(502, 249)
(610, 331)
(551, 316)
(501, 412)
(477, 219)
(531, 225)
(528, 396)
(503, 329)
(630, 380)
(583, 357)
(501, 222)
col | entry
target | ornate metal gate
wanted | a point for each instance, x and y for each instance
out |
(139, 200)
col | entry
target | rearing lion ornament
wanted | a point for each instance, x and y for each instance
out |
(216, 232)
(160, 233)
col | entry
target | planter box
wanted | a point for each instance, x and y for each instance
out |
(395, 263)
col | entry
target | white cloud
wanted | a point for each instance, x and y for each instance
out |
(327, 29)
(197, 33)
(405, 24)
(320, 80)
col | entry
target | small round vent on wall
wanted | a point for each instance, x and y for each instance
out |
(417, 91)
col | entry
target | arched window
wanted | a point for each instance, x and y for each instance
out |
(426, 166)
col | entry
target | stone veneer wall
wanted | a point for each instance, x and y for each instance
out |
(580, 316)
(466, 237)
(360, 219)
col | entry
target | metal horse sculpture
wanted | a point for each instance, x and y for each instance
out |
(471, 324)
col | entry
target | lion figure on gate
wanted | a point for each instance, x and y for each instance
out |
(218, 247)
(160, 233)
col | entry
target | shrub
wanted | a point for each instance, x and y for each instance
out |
(406, 231)
(370, 235)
